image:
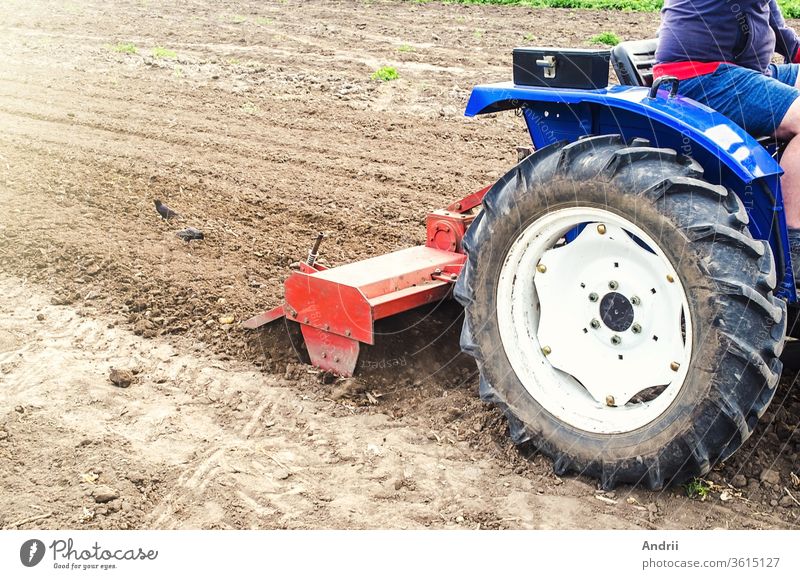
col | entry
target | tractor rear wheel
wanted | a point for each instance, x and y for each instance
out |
(620, 312)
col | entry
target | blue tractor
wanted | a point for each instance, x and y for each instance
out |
(626, 286)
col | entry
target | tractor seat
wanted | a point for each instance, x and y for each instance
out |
(633, 61)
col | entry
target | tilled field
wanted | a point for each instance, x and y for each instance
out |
(260, 125)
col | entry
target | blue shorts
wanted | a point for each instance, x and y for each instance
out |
(757, 102)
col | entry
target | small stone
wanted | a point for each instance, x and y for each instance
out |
(120, 378)
(739, 481)
(282, 474)
(770, 476)
(19, 409)
(136, 477)
(787, 501)
(114, 506)
(773, 503)
(226, 320)
(459, 519)
(104, 494)
(40, 317)
(398, 484)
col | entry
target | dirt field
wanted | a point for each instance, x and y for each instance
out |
(261, 129)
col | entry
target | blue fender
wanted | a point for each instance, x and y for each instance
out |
(728, 154)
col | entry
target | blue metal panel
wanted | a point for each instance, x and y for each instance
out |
(728, 154)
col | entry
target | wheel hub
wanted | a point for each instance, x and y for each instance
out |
(633, 348)
(616, 311)
(597, 329)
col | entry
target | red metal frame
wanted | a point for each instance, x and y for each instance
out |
(337, 307)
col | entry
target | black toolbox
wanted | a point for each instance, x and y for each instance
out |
(562, 67)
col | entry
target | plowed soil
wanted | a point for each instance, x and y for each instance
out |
(259, 124)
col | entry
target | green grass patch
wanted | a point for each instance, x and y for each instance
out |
(161, 52)
(125, 48)
(697, 489)
(238, 19)
(385, 74)
(790, 8)
(250, 108)
(607, 38)
(261, 21)
(405, 48)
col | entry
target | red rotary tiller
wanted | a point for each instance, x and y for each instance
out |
(337, 307)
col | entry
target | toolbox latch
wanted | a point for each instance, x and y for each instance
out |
(549, 65)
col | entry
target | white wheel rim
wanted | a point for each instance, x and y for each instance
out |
(609, 378)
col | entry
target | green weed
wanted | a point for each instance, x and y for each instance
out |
(250, 108)
(125, 48)
(405, 48)
(607, 38)
(697, 488)
(385, 74)
(161, 52)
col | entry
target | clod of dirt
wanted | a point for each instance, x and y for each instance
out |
(40, 317)
(104, 494)
(120, 378)
(770, 476)
(739, 481)
(137, 478)
(3, 435)
(145, 328)
(227, 320)
(347, 388)
(190, 233)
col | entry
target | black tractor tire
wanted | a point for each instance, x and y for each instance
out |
(739, 325)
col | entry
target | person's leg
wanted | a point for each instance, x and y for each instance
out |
(763, 105)
(788, 130)
(786, 73)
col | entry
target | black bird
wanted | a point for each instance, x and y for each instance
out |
(190, 233)
(164, 211)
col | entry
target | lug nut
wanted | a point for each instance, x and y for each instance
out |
(541, 268)
(670, 279)
(593, 297)
(609, 400)
(546, 350)
(674, 366)
(601, 229)
(616, 340)
(635, 300)
(636, 328)
(613, 285)
(595, 324)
